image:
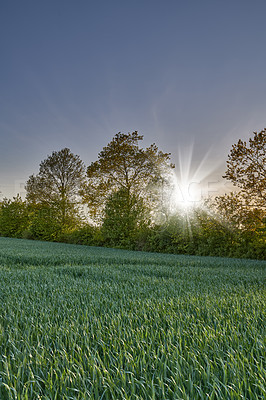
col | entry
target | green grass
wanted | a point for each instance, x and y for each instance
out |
(79, 322)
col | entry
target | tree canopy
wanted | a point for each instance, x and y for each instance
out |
(14, 217)
(122, 164)
(244, 210)
(246, 169)
(57, 184)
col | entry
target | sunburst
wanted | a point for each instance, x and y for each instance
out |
(191, 181)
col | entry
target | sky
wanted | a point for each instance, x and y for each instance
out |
(188, 75)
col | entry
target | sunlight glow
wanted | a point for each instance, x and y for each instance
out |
(186, 193)
(190, 182)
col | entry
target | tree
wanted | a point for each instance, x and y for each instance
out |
(243, 211)
(246, 168)
(231, 208)
(57, 185)
(45, 224)
(123, 165)
(123, 217)
(14, 217)
(245, 225)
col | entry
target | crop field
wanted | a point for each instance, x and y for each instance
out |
(80, 322)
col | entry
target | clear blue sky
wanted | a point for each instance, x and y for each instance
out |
(74, 73)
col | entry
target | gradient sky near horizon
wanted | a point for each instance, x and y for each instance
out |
(188, 75)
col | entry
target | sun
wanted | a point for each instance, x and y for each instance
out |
(188, 184)
(187, 193)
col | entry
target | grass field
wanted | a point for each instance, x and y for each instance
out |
(79, 322)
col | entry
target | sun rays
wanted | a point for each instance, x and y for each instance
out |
(191, 188)
(190, 183)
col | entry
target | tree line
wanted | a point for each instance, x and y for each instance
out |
(122, 200)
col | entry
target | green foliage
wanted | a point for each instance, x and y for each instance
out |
(245, 225)
(201, 233)
(45, 224)
(233, 210)
(57, 186)
(87, 235)
(80, 323)
(14, 217)
(246, 168)
(123, 165)
(124, 216)
(243, 212)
